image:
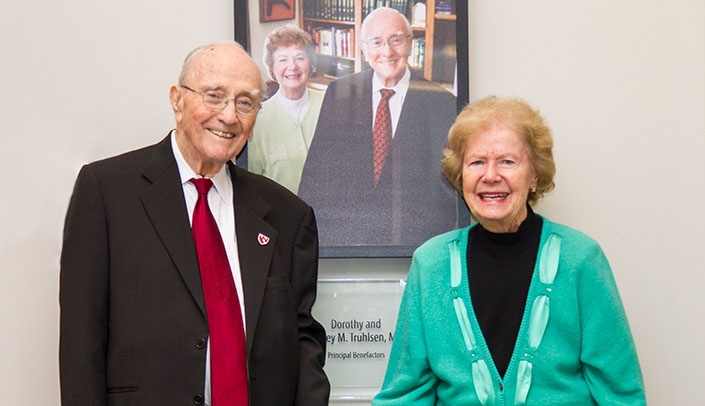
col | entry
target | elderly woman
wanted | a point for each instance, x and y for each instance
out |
(285, 125)
(515, 309)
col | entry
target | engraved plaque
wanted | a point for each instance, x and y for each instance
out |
(359, 316)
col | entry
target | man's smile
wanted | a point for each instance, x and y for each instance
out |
(222, 134)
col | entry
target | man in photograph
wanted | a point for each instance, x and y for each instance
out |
(373, 169)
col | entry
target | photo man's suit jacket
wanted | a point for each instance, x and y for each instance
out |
(133, 321)
(412, 201)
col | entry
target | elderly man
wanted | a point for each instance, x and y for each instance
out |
(185, 279)
(373, 167)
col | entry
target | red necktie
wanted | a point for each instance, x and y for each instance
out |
(382, 130)
(227, 335)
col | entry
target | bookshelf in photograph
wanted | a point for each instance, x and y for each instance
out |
(335, 28)
(441, 45)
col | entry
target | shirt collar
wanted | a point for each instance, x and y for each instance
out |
(400, 88)
(221, 180)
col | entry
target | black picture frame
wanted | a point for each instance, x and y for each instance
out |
(240, 17)
(243, 22)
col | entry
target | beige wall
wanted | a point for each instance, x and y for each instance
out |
(80, 80)
(622, 84)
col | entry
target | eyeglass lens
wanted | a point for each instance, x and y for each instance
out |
(393, 41)
(215, 100)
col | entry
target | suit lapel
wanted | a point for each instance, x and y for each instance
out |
(165, 205)
(363, 100)
(415, 105)
(358, 150)
(256, 240)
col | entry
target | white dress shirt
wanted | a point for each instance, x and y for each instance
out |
(220, 201)
(395, 102)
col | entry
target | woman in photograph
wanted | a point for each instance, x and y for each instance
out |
(286, 123)
(515, 309)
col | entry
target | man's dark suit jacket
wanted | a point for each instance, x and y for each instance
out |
(133, 318)
(412, 201)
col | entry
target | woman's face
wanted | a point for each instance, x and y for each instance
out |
(291, 68)
(497, 177)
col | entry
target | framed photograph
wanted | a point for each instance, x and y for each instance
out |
(371, 169)
(276, 10)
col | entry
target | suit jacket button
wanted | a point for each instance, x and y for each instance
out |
(201, 343)
(198, 399)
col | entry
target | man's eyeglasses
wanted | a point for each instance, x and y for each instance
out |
(217, 101)
(394, 41)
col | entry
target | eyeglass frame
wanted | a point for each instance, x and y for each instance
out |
(256, 105)
(402, 38)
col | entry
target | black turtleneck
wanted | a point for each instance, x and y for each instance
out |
(500, 267)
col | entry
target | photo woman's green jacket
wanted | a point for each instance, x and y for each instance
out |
(574, 346)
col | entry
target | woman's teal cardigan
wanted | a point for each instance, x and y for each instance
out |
(574, 346)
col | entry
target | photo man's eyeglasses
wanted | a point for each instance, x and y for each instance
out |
(394, 41)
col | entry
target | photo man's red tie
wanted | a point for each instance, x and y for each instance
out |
(227, 335)
(382, 130)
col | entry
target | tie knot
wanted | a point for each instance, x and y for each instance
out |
(203, 185)
(386, 93)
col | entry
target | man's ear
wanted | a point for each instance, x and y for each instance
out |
(175, 99)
